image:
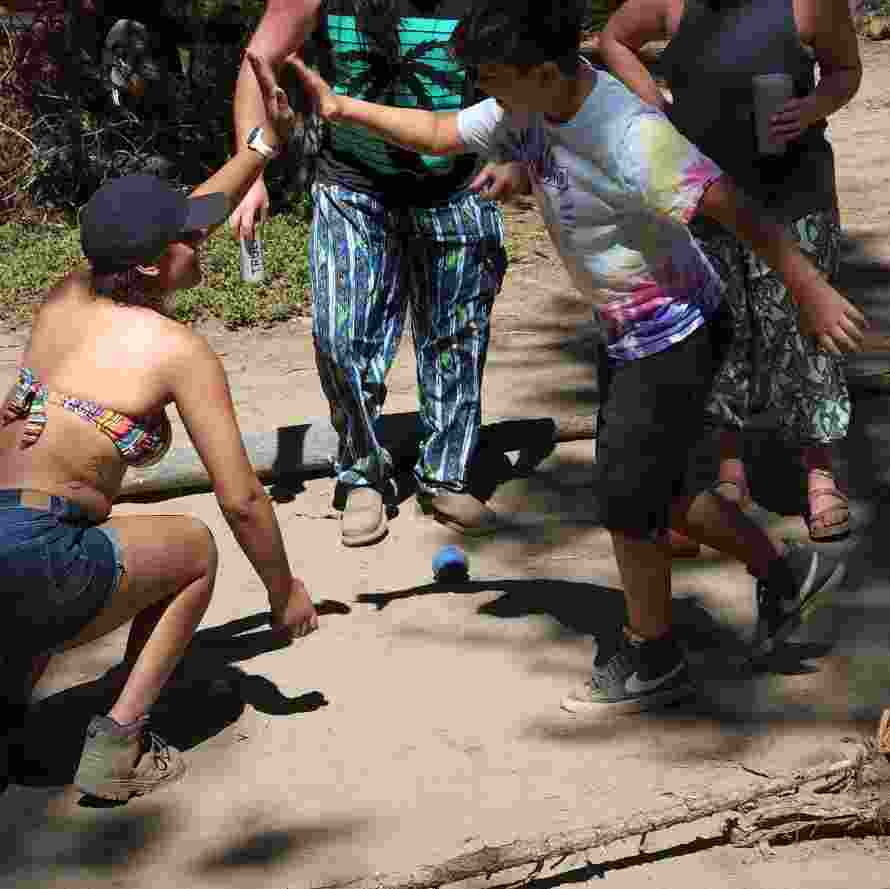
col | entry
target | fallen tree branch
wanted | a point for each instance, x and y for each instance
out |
(808, 817)
(493, 859)
(311, 449)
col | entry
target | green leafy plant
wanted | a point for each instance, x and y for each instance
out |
(599, 12)
(34, 257)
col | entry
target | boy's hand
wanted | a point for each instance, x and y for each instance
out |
(326, 101)
(835, 322)
(500, 182)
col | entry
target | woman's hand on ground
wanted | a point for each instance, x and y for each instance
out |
(297, 616)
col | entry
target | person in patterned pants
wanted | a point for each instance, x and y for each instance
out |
(394, 233)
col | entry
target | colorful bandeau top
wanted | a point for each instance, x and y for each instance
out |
(141, 441)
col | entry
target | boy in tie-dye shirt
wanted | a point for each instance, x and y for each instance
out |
(617, 186)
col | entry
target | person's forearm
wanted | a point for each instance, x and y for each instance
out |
(237, 175)
(413, 129)
(625, 64)
(833, 91)
(258, 534)
(248, 104)
(750, 223)
(283, 29)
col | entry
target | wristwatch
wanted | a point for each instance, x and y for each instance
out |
(256, 143)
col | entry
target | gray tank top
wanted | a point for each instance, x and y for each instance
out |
(708, 66)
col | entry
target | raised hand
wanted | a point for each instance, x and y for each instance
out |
(325, 100)
(278, 111)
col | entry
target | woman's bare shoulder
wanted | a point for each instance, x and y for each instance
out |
(74, 286)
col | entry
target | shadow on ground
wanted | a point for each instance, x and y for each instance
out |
(206, 695)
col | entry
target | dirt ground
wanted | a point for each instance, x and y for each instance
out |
(421, 722)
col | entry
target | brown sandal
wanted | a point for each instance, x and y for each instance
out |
(740, 495)
(833, 522)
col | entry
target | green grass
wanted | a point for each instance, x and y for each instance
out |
(35, 257)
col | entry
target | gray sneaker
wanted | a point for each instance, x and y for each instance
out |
(636, 676)
(795, 587)
(117, 764)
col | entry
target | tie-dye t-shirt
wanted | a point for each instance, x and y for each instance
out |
(617, 185)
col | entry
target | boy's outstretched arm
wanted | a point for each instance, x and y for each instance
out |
(835, 322)
(426, 132)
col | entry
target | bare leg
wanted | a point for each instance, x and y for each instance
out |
(645, 570)
(732, 467)
(713, 520)
(140, 631)
(170, 564)
(828, 510)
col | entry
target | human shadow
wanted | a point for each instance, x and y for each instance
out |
(261, 847)
(578, 606)
(206, 695)
(33, 850)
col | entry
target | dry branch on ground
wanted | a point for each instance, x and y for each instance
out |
(798, 816)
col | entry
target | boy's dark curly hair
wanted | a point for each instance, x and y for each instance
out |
(521, 33)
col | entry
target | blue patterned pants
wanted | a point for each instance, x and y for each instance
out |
(368, 264)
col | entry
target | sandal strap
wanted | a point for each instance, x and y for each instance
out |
(742, 486)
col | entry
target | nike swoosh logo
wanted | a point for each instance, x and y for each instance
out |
(635, 685)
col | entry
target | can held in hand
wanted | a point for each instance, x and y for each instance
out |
(252, 266)
(450, 565)
(771, 92)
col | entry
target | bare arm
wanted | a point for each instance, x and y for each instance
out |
(425, 132)
(630, 27)
(826, 25)
(201, 393)
(835, 322)
(282, 30)
(237, 176)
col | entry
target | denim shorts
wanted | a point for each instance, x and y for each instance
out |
(59, 569)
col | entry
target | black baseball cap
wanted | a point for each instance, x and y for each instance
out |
(131, 221)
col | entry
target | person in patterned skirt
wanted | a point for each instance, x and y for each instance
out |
(772, 363)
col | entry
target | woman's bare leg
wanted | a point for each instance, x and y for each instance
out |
(170, 567)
